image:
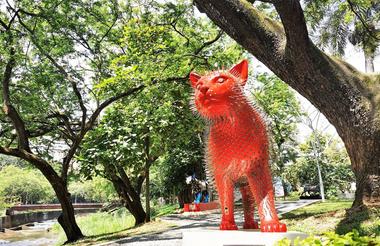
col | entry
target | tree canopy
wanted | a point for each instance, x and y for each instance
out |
(334, 23)
(162, 44)
(282, 108)
(54, 55)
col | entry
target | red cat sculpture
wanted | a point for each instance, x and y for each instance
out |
(237, 147)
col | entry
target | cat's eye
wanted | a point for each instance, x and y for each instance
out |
(220, 80)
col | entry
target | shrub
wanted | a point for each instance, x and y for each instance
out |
(332, 238)
(22, 185)
(95, 190)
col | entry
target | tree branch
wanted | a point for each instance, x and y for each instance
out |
(39, 163)
(3, 131)
(8, 108)
(119, 183)
(66, 121)
(239, 19)
(364, 23)
(81, 103)
(41, 131)
(210, 42)
(294, 23)
(60, 68)
(11, 21)
(109, 29)
(13, 137)
(90, 123)
(139, 182)
(70, 154)
(78, 138)
(16, 14)
(124, 177)
(173, 25)
(28, 13)
(109, 101)
(3, 24)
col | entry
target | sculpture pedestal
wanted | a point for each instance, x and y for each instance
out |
(236, 238)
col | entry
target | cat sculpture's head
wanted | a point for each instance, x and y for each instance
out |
(216, 92)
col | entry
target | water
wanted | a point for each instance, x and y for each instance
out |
(37, 234)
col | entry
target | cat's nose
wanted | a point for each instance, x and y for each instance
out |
(204, 89)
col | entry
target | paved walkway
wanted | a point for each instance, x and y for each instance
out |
(211, 220)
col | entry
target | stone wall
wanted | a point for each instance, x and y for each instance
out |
(10, 221)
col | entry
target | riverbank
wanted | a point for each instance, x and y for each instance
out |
(26, 217)
(32, 234)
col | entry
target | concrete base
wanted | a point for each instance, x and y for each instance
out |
(236, 238)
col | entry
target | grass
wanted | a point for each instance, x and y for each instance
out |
(292, 196)
(330, 216)
(164, 210)
(366, 222)
(148, 228)
(101, 227)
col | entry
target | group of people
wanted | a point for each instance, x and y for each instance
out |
(199, 189)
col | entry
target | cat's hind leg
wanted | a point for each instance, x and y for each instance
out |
(249, 208)
(260, 183)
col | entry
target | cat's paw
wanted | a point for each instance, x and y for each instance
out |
(251, 225)
(227, 225)
(273, 227)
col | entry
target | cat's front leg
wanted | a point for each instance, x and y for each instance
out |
(225, 189)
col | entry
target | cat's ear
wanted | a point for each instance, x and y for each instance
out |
(194, 77)
(240, 70)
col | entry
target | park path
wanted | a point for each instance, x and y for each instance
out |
(173, 237)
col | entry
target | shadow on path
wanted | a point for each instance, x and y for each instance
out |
(210, 220)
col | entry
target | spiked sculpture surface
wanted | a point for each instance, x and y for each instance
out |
(237, 147)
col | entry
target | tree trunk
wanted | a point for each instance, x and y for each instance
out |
(130, 197)
(67, 217)
(365, 154)
(147, 192)
(137, 211)
(134, 206)
(185, 196)
(349, 99)
(281, 164)
(148, 163)
(369, 57)
(284, 188)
